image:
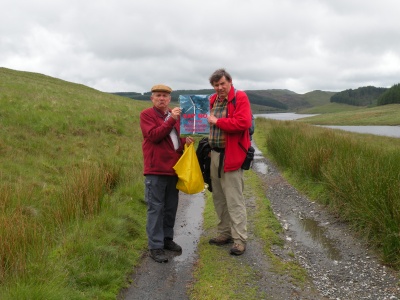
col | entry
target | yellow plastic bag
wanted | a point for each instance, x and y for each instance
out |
(190, 178)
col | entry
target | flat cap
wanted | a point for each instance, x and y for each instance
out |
(161, 88)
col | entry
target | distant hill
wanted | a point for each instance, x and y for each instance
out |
(261, 100)
(128, 94)
(391, 96)
(256, 98)
(362, 96)
(291, 100)
(283, 100)
(174, 95)
(318, 97)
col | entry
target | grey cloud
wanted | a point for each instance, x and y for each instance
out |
(130, 45)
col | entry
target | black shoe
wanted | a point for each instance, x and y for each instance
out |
(158, 255)
(171, 245)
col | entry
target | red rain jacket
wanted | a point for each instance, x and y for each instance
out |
(236, 126)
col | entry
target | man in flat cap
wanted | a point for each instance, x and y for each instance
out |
(162, 147)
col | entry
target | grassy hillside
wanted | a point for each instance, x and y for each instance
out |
(362, 96)
(318, 98)
(263, 100)
(262, 109)
(278, 100)
(292, 100)
(380, 115)
(72, 214)
(329, 108)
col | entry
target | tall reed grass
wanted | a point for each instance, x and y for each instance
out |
(83, 192)
(20, 232)
(361, 179)
(71, 189)
(23, 231)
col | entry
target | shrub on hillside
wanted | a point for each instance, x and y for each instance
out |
(391, 96)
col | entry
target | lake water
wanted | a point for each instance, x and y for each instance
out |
(392, 131)
(283, 116)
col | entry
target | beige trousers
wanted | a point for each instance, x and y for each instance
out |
(229, 201)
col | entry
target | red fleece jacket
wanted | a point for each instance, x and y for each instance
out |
(236, 126)
(159, 154)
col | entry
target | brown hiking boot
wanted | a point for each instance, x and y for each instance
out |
(158, 255)
(220, 240)
(238, 249)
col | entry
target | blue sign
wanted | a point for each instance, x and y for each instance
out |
(195, 109)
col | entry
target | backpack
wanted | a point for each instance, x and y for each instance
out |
(203, 155)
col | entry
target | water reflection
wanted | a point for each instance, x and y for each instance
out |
(310, 233)
(390, 131)
(188, 226)
(284, 116)
(157, 281)
(259, 165)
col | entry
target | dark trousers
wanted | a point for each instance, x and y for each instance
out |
(161, 196)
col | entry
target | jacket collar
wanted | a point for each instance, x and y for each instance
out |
(160, 112)
(231, 95)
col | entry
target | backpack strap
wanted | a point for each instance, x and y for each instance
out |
(251, 129)
(234, 99)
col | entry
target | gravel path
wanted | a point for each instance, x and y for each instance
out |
(339, 266)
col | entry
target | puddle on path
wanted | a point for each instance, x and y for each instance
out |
(188, 227)
(310, 233)
(259, 165)
(168, 281)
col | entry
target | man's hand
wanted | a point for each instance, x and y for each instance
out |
(175, 112)
(212, 119)
(189, 140)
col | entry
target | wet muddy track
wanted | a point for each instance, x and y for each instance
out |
(168, 281)
(339, 265)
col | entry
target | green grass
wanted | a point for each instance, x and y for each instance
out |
(379, 115)
(357, 176)
(72, 213)
(218, 275)
(318, 98)
(330, 108)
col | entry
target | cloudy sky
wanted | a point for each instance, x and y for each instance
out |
(130, 45)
